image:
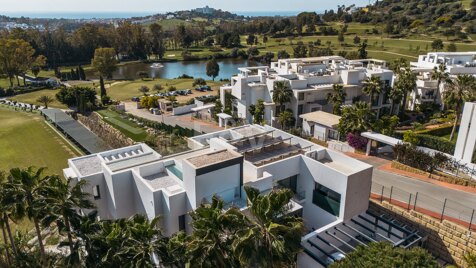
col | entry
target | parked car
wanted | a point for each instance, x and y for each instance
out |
(188, 91)
(136, 99)
(206, 88)
(200, 89)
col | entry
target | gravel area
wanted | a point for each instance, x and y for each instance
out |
(88, 165)
(211, 158)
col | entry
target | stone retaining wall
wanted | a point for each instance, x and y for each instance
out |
(111, 136)
(445, 240)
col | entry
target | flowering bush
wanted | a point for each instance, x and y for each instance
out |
(356, 141)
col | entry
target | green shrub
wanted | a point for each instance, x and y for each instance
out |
(441, 131)
(436, 143)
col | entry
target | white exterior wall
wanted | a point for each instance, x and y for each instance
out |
(224, 182)
(466, 143)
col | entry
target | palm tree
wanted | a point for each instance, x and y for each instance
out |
(282, 94)
(396, 95)
(286, 119)
(355, 119)
(45, 100)
(337, 98)
(459, 90)
(213, 234)
(28, 186)
(143, 240)
(4, 220)
(272, 239)
(440, 75)
(63, 202)
(175, 252)
(406, 82)
(373, 86)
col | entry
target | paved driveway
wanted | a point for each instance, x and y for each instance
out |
(181, 120)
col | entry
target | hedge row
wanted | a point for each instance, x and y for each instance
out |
(441, 131)
(436, 143)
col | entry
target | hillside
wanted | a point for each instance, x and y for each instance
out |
(455, 20)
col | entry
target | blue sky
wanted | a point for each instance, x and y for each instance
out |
(154, 6)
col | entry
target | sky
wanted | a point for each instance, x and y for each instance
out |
(156, 6)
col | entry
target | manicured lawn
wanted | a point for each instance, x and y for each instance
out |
(129, 128)
(26, 140)
(33, 96)
(127, 89)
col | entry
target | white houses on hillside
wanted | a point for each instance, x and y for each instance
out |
(311, 79)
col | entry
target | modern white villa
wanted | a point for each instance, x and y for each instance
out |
(311, 79)
(427, 90)
(330, 188)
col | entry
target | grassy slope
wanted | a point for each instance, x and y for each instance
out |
(26, 140)
(130, 129)
(33, 96)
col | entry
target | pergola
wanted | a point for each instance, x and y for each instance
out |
(374, 136)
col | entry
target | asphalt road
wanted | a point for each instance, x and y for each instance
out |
(430, 196)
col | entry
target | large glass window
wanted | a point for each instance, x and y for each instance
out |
(181, 220)
(289, 183)
(301, 96)
(326, 199)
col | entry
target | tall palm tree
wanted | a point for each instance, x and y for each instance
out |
(460, 89)
(396, 95)
(4, 220)
(337, 98)
(406, 83)
(213, 234)
(29, 188)
(286, 119)
(175, 252)
(272, 238)
(440, 75)
(282, 94)
(373, 86)
(63, 201)
(355, 119)
(142, 242)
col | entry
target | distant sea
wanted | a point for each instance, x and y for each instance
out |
(109, 15)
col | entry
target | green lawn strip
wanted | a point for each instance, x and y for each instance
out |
(128, 128)
(26, 140)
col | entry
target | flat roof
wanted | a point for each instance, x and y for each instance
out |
(381, 138)
(212, 158)
(88, 165)
(322, 118)
(76, 131)
(224, 116)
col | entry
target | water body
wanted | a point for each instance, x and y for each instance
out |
(228, 68)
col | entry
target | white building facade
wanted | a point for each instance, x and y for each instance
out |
(328, 185)
(427, 91)
(311, 80)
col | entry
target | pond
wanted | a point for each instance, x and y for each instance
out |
(170, 70)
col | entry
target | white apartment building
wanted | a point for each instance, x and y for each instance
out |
(426, 90)
(136, 179)
(331, 189)
(311, 79)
